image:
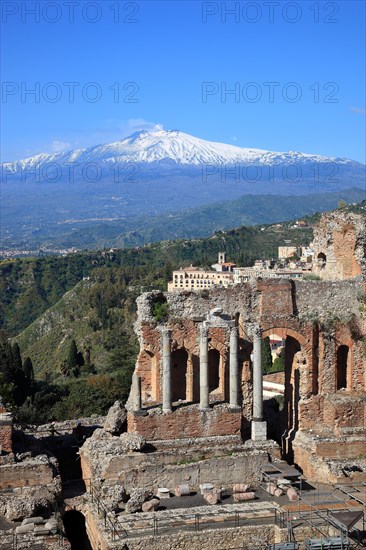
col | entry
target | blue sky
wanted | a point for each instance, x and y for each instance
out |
(172, 63)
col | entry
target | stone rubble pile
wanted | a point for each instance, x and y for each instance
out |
(116, 419)
(136, 500)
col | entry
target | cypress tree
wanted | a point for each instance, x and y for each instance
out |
(266, 355)
(72, 358)
(29, 375)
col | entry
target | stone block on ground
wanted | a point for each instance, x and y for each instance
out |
(278, 493)
(150, 505)
(41, 530)
(271, 488)
(163, 492)
(240, 487)
(182, 490)
(292, 495)
(36, 520)
(137, 498)
(211, 498)
(242, 497)
(24, 528)
(206, 488)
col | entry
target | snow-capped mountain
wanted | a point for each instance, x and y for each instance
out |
(158, 173)
(174, 148)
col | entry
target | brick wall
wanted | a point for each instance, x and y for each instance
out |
(20, 475)
(186, 422)
(6, 444)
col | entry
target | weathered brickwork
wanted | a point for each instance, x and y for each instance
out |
(323, 325)
(6, 428)
(187, 422)
(6, 444)
(339, 245)
(21, 474)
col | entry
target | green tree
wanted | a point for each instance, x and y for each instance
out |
(341, 203)
(29, 376)
(278, 364)
(73, 358)
(266, 355)
(6, 391)
(18, 376)
(65, 369)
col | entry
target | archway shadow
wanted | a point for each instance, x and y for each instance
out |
(75, 530)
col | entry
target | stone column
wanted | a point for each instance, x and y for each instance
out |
(136, 392)
(234, 375)
(167, 370)
(204, 388)
(259, 428)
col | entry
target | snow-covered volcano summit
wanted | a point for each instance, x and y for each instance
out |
(174, 148)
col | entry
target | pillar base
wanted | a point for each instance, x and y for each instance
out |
(205, 409)
(140, 412)
(234, 409)
(167, 410)
(259, 430)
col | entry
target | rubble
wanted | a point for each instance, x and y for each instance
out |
(28, 501)
(137, 498)
(150, 505)
(131, 442)
(116, 418)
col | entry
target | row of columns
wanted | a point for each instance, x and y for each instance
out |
(259, 429)
(204, 372)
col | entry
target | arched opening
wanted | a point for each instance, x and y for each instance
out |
(322, 260)
(213, 370)
(196, 378)
(148, 370)
(75, 530)
(342, 361)
(285, 420)
(277, 347)
(292, 381)
(179, 374)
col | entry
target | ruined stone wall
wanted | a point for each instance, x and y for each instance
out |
(222, 461)
(324, 324)
(321, 316)
(323, 458)
(187, 422)
(267, 299)
(6, 443)
(6, 424)
(224, 538)
(340, 245)
(335, 414)
(25, 474)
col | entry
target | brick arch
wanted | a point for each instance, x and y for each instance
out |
(284, 332)
(298, 382)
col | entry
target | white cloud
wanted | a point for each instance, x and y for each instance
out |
(136, 124)
(110, 130)
(57, 146)
(358, 110)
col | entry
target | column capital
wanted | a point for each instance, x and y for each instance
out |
(204, 331)
(257, 332)
(166, 333)
(234, 331)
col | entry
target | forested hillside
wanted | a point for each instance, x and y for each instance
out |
(29, 287)
(73, 317)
